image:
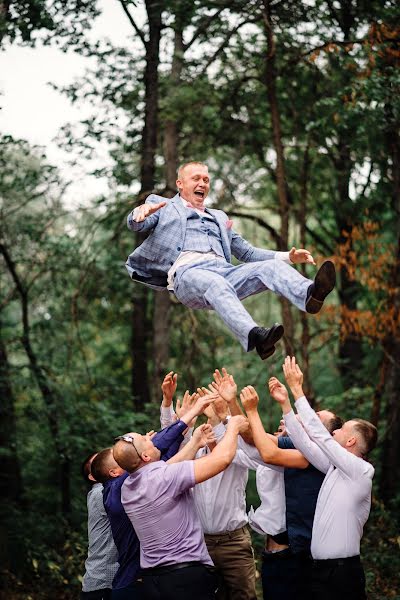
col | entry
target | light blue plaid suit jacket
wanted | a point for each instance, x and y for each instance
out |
(152, 260)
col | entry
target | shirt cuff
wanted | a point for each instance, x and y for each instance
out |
(167, 411)
(283, 256)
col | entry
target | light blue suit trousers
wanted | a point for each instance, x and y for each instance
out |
(219, 285)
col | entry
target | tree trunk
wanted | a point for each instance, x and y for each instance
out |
(162, 306)
(305, 330)
(270, 82)
(10, 473)
(350, 346)
(391, 444)
(49, 396)
(141, 347)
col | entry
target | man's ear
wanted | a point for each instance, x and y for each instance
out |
(179, 184)
(351, 442)
(114, 472)
(145, 457)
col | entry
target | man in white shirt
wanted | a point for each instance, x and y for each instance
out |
(344, 499)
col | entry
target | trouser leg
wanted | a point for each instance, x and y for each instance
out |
(275, 275)
(201, 288)
(234, 559)
(330, 581)
(278, 576)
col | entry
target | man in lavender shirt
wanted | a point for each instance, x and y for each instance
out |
(157, 499)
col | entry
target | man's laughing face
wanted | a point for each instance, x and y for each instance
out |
(194, 184)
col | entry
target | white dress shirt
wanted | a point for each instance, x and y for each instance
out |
(270, 516)
(344, 500)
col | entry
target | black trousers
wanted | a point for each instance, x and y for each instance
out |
(177, 582)
(338, 579)
(286, 575)
(104, 594)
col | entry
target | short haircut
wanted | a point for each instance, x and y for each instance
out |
(102, 464)
(193, 162)
(86, 467)
(334, 423)
(368, 434)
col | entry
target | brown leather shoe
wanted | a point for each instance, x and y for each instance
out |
(324, 282)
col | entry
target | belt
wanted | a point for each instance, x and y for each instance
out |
(226, 534)
(162, 569)
(337, 561)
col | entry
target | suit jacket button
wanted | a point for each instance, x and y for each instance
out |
(179, 248)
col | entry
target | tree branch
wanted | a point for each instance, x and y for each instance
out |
(133, 23)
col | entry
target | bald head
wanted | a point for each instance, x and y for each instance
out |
(134, 451)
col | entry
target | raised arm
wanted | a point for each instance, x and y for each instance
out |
(168, 388)
(222, 455)
(270, 453)
(145, 216)
(350, 465)
(202, 436)
(225, 385)
(297, 433)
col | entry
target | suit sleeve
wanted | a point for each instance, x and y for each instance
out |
(150, 222)
(245, 252)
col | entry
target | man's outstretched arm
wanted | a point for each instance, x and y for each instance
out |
(296, 431)
(270, 453)
(145, 216)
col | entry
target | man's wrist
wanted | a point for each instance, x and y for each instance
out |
(297, 391)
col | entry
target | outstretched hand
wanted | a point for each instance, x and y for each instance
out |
(144, 210)
(225, 385)
(278, 390)
(203, 435)
(168, 387)
(293, 374)
(187, 403)
(301, 255)
(249, 398)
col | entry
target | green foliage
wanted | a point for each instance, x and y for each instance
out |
(337, 92)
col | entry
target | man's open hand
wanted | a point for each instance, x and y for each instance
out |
(144, 210)
(300, 255)
(278, 390)
(168, 387)
(183, 406)
(292, 372)
(225, 385)
(203, 435)
(249, 398)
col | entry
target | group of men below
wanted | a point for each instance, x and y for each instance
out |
(167, 511)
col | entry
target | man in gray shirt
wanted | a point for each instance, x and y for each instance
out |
(101, 563)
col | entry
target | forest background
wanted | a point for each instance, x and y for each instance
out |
(295, 107)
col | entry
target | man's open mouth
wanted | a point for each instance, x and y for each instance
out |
(199, 194)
